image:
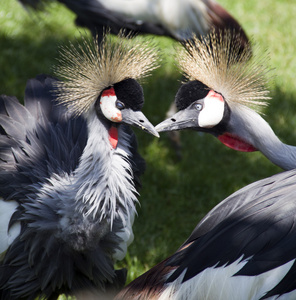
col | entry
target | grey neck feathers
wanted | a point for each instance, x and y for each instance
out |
(104, 178)
(255, 130)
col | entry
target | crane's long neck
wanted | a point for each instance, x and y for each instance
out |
(255, 130)
(104, 176)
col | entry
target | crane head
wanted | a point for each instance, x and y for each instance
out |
(200, 108)
(224, 81)
(205, 110)
(102, 78)
(122, 103)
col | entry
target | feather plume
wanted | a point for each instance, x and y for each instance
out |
(89, 68)
(218, 61)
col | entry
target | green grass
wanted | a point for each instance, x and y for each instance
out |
(176, 193)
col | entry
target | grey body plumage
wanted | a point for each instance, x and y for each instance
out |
(62, 242)
(73, 190)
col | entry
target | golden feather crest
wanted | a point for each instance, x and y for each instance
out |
(90, 67)
(218, 61)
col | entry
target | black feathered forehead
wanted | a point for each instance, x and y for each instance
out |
(130, 92)
(190, 92)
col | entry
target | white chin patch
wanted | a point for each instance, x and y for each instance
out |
(213, 110)
(108, 107)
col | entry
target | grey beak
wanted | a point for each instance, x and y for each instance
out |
(138, 119)
(186, 118)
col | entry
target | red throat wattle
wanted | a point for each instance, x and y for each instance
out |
(234, 142)
(113, 136)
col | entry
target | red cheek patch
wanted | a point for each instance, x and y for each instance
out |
(113, 137)
(108, 93)
(213, 94)
(234, 142)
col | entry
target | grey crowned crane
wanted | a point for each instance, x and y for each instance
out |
(222, 97)
(178, 19)
(69, 171)
(245, 247)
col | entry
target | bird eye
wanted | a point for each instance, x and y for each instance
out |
(198, 106)
(120, 105)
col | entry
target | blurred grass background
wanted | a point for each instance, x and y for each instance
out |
(176, 194)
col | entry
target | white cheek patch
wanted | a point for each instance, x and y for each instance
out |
(107, 103)
(213, 110)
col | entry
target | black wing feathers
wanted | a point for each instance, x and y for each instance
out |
(38, 139)
(256, 223)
